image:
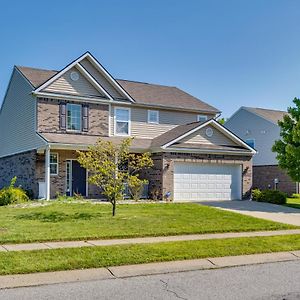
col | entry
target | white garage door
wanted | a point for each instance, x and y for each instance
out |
(196, 181)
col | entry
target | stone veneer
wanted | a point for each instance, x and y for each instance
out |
(22, 165)
(162, 176)
(48, 117)
(263, 178)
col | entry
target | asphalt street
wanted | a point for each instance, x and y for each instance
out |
(265, 281)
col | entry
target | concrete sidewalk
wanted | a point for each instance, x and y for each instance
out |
(144, 240)
(36, 279)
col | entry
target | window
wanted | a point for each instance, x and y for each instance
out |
(122, 121)
(53, 163)
(74, 117)
(250, 142)
(153, 116)
(201, 118)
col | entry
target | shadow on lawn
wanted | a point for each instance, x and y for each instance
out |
(56, 216)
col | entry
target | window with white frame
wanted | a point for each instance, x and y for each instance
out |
(53, 163)
(153, 116)
(122, 121)
(74, 117)
(201, 118)
(250, 142)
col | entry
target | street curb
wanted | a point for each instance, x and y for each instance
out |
(48, 278)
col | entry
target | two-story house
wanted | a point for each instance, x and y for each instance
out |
(258, 127)
(47, 115)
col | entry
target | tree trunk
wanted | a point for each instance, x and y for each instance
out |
(113, 207)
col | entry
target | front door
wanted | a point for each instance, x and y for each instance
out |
(76, 178)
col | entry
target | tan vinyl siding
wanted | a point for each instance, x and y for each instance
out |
(167, 120)
(200, 137)
(100, 79)
(66, 85)
(18, 118)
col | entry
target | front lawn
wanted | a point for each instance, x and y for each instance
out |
(81, 221)
(96, 257)
(293, 202)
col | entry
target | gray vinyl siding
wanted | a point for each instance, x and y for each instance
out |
(66, 85)
(168, 119)
(100, 79)
(18, 118)
(200, 137)
(247, 125)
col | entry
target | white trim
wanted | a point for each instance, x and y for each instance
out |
(73, 130)
(93, 81)
(64, 70)
(220, 127)
(149, 111)
(47, 172)
(201, 116)
(129, 120)
(109, 119)
(57, 164)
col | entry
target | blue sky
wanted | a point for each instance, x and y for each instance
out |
(227, 53)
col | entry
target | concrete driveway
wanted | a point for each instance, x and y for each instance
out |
(277, 213)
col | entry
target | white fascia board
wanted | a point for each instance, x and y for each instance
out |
(64, 70)
(220, 127)
(92, 80)
(109, 77)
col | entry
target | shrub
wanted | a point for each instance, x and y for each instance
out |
(269, 196)
(12, 194)
(295, 196)
(256, 194)
(136, 187)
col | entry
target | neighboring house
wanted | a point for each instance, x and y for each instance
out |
(259, 128)
(48, 115)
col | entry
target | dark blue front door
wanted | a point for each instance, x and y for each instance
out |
(78, 178)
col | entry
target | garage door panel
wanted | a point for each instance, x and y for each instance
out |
(195, 181)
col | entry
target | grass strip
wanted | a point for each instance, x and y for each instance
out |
(95, 257)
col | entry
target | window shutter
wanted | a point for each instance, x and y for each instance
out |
(62, 116)
(85, 118)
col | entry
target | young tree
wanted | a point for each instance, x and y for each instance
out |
(110, 166)
(288, 147)
(222, 120)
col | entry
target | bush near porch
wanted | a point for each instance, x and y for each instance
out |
(81, 221)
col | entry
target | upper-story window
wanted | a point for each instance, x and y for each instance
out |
(250, 142)
(122, 121)
(201, 118)
(153, 116)
(53, 163)
(74, 117)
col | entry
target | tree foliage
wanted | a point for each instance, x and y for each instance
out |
(288, 147)
(222, 120)
(110, 166)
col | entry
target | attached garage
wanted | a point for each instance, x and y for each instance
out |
(200, 182)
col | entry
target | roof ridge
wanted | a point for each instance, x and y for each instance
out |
(269, 109)
(34, 68)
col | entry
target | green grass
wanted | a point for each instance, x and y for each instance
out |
(293, 202)
(96, 257)
(81, 221)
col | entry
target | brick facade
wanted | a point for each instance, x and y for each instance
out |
(263, 178)
(48, 117)
(23, 166)
(163, 174)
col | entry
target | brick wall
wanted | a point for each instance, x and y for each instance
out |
(23, 166)
(263, 178)
(48, 117)
(168, 160)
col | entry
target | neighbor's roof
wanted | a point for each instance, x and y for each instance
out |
(142, 93)
(268, 114)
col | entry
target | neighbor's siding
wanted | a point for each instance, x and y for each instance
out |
(264, 132)
(65, 85)
(100, 79)
(168, 119)
(18, 118)
(200, 137)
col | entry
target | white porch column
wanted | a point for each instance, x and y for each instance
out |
(47, 172)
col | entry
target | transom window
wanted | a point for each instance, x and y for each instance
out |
(201, 118)
(53, 163)
(74, 117)
(153, 116)
(122, 121)
(250, 142)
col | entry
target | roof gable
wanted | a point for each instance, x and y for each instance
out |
(270, 115)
